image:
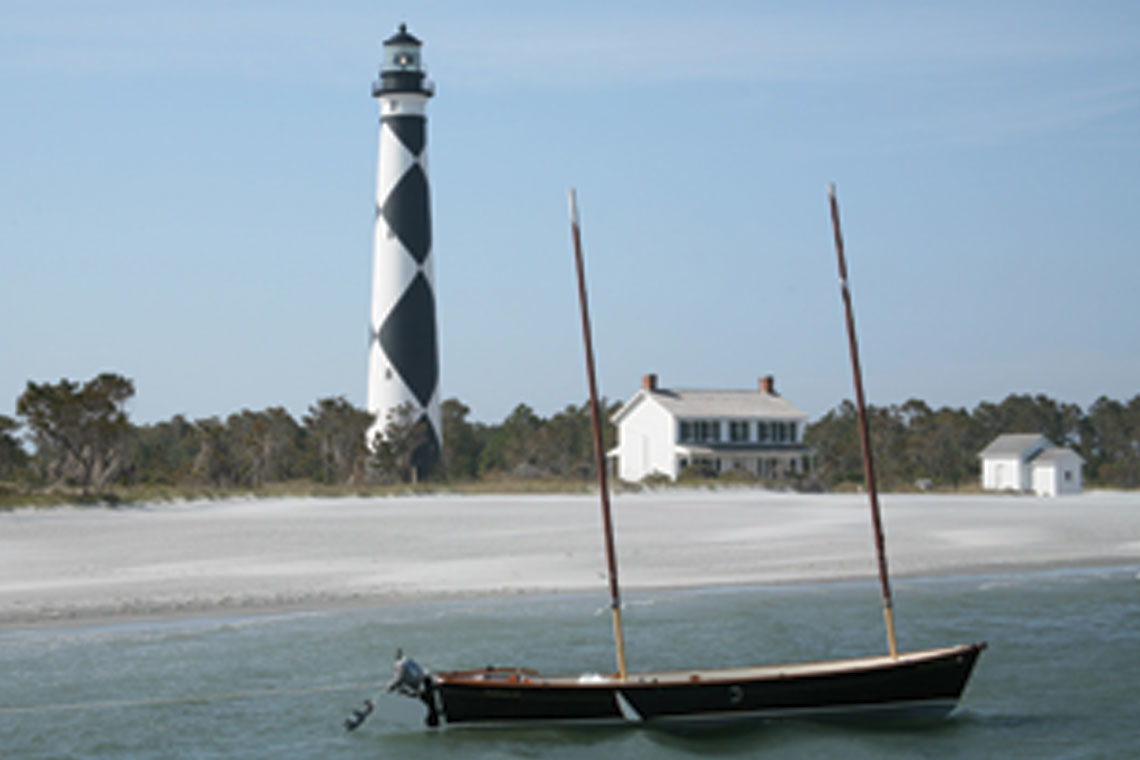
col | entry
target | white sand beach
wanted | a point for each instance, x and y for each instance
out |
(74, 564)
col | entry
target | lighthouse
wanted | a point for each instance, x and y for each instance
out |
(403, 354)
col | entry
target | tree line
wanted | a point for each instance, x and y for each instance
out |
(913, 443)
(81, 437)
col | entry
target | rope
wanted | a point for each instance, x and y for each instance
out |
(201, 699)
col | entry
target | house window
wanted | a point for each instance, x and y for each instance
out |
(762, 431)
(792, 432)
(738, 431)
(699, 431)
(779, 432)
(1068, 475)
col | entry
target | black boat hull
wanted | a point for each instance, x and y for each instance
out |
(928, 683)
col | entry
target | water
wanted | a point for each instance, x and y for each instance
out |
(1058, 681)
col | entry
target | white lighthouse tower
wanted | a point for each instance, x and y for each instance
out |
(403, 354)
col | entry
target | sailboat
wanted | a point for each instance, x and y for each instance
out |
(918, 683)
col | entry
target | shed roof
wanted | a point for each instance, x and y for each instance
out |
(1056, 454)
(1012, 444)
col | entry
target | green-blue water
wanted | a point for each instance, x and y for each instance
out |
(1059, 680)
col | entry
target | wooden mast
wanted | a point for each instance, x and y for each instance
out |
(599, 450)
(864, 433)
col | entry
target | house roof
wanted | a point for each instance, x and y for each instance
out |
(722, 404)
(1012, 444)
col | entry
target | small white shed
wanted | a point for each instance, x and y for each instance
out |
(1030, 462)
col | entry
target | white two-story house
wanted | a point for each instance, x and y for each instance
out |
(664, 430)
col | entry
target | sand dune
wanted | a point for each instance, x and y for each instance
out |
(196, 558)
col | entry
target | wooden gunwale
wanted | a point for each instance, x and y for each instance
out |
(516, 678)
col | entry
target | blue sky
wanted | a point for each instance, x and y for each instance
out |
(186, 197)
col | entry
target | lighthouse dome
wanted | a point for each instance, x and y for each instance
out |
(402, 70)
(403, 37)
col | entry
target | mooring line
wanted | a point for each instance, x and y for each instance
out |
(104, 704)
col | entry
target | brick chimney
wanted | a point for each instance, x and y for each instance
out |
(768, 384)
(649, 382)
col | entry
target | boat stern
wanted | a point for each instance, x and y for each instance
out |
(411, 680)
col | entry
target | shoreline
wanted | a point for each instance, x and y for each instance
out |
(93, 618)
(82, 567)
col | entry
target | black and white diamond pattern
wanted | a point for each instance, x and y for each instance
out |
(407, 213)
(407, 337)
(404, 355)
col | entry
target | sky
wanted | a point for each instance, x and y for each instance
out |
(187, 189)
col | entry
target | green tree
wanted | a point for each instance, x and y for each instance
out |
(214, 464)
(566, 440)
(943, 445)
(164, 452)
(13, 458)
(80, 431)
(835, 441)
(337, 430)
(402, 452)
(1060, 423)
(1111, 444)
(461, 443)
(893, 466)
(510, 446)
(265, 445)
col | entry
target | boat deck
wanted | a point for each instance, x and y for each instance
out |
(532, 678)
